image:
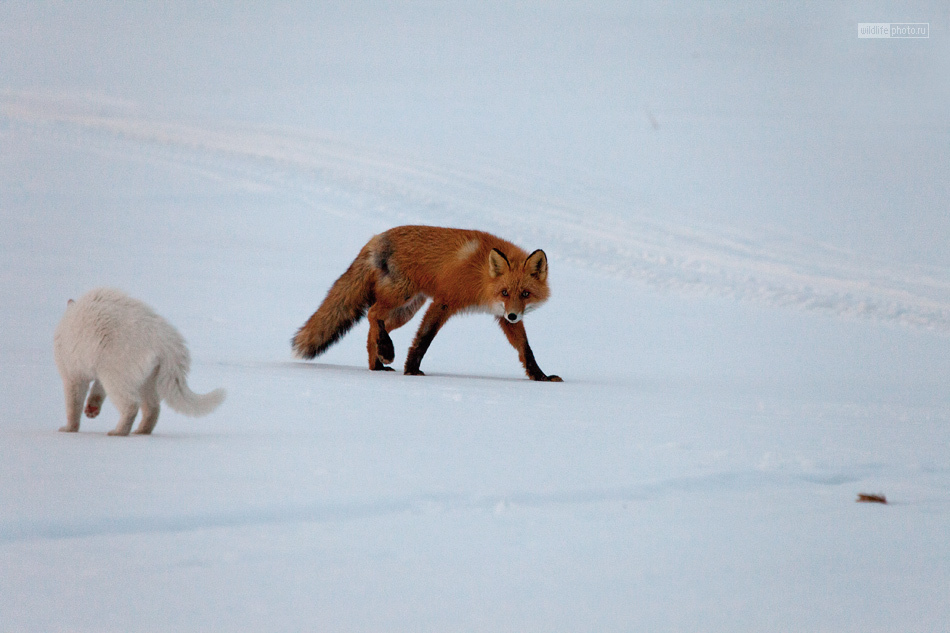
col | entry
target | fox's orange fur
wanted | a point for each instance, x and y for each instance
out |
(460, 270)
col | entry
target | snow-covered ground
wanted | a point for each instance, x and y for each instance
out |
(745, 211)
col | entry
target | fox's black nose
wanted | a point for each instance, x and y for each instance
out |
(512, 317)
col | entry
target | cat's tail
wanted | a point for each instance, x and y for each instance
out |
(187, 402)
(173, 387)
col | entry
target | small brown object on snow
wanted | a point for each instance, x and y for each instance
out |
(863, 498)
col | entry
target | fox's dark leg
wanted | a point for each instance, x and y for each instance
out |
(379, 346)
(396, 318)
(435, 317)
(385, 352)
(518, 338)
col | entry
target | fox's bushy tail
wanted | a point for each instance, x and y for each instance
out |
(346, 303)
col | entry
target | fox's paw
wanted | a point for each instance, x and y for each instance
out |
(555, 379)
(414, 372)
(386, 355)
(68, 429)
(118, 433)
(92, 410)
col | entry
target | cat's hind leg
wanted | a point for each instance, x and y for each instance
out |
(151, 405)
(97, 396)
(126, 400)
(127, 412)
(75, 392)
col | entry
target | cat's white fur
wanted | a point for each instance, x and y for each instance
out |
(129, 352)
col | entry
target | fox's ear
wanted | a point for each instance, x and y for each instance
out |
(497, 263)
(537, 265)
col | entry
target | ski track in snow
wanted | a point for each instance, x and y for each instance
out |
(343, 511)
(597, 230)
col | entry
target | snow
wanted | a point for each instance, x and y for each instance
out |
(744, 209)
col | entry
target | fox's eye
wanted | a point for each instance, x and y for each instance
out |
(525, 294)
(504, 293)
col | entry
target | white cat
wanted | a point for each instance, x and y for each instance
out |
(128, 352)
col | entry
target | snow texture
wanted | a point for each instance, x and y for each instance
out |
(745, 212)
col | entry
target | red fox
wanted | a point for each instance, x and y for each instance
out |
(460, 270)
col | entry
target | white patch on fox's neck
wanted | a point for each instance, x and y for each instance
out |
(467, 249)
(495, 309)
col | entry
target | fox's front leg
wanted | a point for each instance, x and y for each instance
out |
(435, 317)
(518, 338)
